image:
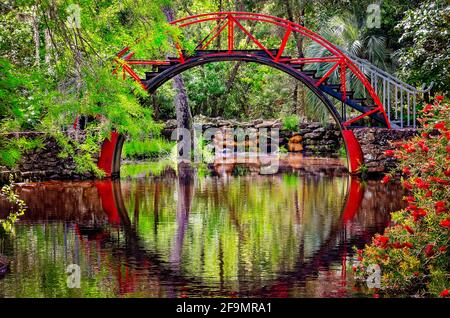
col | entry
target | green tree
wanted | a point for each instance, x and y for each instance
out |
(424, 54)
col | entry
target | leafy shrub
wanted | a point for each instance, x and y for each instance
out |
(413, 252)
(291, 123)
(17, 210)
(11, 150)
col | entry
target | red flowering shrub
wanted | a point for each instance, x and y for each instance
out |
(413, 253)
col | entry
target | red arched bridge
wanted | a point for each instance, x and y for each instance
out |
(333, 93)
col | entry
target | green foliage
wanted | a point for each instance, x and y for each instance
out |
(18, 208)
(425, 43)
(71, 76)
(342, 152)
(346, 32)
(144, 169)
(291, 122)
(148, 148)
(255, 91)
(283, 149)
(11, 149)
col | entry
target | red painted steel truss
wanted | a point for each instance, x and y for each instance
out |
(230, 22)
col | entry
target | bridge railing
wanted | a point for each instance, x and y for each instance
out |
(400, 99)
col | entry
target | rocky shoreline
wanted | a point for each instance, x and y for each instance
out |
(310, 139)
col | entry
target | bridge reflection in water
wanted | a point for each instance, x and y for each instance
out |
(283, 235)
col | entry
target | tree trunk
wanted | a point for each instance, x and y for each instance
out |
(183, 112)
(219, 37)
(35, 26)
(291, 17)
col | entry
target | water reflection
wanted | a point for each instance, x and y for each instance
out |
(284, 235)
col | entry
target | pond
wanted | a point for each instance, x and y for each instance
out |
(218, 232)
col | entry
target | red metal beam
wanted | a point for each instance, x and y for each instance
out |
(327, 74)
(230, 34)
(262, 47)
(351, 121)
(105, 161)
(147, 62)
(343, 76)
(283, 44)
(218, 32)
(354, 153)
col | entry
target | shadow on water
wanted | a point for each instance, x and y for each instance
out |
(177, 234)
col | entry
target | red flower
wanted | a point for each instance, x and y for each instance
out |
(422, 184)
(427, 108)
(447, 148)
(409, 229)
(406, 170)
(428, 194)
(381, 241)
(424, 135)
(410, 198)
(389, 153)
(440, 206)
(397, 245)
(445, 223)
(429, 250)
(386, 179)
(447, 172)
(443, 249)
(439, 180)
(439, 98)
(440, 125)
(408, 244)
(444, 293)
(418, 214)
(407, 185)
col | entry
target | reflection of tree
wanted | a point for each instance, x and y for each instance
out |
(239, 234)
(240, 227)
(185, 189)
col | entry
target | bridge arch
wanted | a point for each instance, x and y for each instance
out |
(229, 22)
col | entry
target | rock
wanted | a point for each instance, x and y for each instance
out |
(296, 139)
(313, 126)
(312, 135)
(292, 147)
(264, 124)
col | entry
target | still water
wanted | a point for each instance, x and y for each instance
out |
(231, 233)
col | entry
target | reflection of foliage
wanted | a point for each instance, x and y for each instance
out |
(248, 225)
(41, 267)
(147, 169)
(18, 207)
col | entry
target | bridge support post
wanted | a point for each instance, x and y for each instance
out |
(109, 160)
(354, 153)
